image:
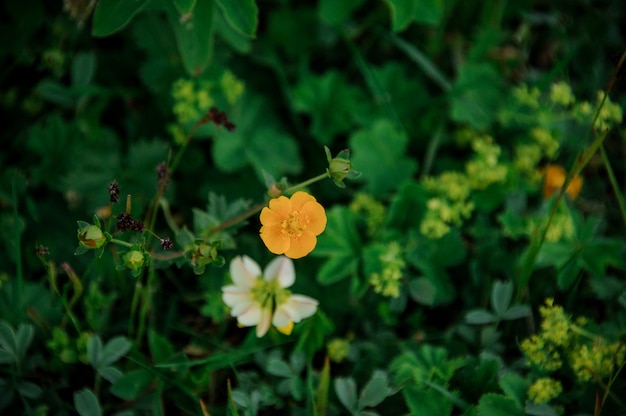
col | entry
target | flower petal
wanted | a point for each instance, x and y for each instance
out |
(299, 307)
(282, 316)
(232, 295)
(302, 245)
(244, 271)
(281, 268)
(317, 217)
(299, 199)
(270, 217)
(264, 322)
(274, 239)
(250, 316)
(281, 205)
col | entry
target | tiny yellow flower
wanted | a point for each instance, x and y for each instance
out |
(544, 389)
(290, 226)
(554, 177)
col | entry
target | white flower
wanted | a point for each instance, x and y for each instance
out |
(261, 299)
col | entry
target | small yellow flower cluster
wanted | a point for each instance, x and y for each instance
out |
(561, 227)
(596, 360)
(610, 113)
(451, 203)
(561, 93)
(544, 389)
(561, 337)
(338, 349)
(373, 211)
(194, 97)
(483, 169)
(526, 96)
(388, 282)
(233, 88)
(528, 155)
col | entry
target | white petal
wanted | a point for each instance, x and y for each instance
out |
(300, 307)
(241, 307)
(281, 268)
(233, 295)
(281, 317)
(250, 316)
(264, 322)
(244, 271)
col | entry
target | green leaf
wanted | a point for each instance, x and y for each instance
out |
(375, 391)
(83, 69)
(501, 295)
(114, 350)
(160, 348)
(429, 11)
(345, 388)
(234, 38)
(480, 317)
(516, 312)
(407, 206)
(8, 340)
(86, 403)
(337, 268)
(111, 16)
(194, 35)
(185, 6)
(514, 386)
(243, 15)
(476, 95)
(94, 350)
(110, 374)
(312, 333)
(497, 405)
(335, 12)
(402, 13)
(380, 154)
(423, 290)
(539, 409)
(132, 384)
(23, 338)
(332, 102)
(423, 401)
(28, 389)
(278, 367)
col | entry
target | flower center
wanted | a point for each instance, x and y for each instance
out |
(295, 224)
(269, 293)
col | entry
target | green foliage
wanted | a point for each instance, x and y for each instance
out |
(467, 159)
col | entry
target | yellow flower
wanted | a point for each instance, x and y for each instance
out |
(554, 177)
(291, 225)
(544, 389)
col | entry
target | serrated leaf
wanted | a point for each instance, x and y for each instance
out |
(379, 153)
(8, 339)
(132, 384)
(375, 391)
(497, 405)
(501, 295)
(111, 16)
(86, 403)
(243, 15)
(426, 401)
(345, 388)
(476, 96)
(23, 338)
(539, 409)
(514, 386)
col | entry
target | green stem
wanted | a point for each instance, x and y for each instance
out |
(133, 307)
(146, 301)
(256, 208)
(165, 207)
(613, 180)
(121, 243)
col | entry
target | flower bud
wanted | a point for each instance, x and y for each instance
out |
(340, 167)
(91, 236)
(134, 259)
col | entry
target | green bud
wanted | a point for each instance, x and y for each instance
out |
(91, 236)
(134, 259)
(340, 167)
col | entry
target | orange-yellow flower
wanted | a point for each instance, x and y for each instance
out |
(554, 177)
(291, 225)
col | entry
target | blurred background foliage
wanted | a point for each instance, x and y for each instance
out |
(464, 119)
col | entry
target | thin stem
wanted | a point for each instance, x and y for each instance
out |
(613, 180)
(121, 243)
(308, 182)
(133, 307)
